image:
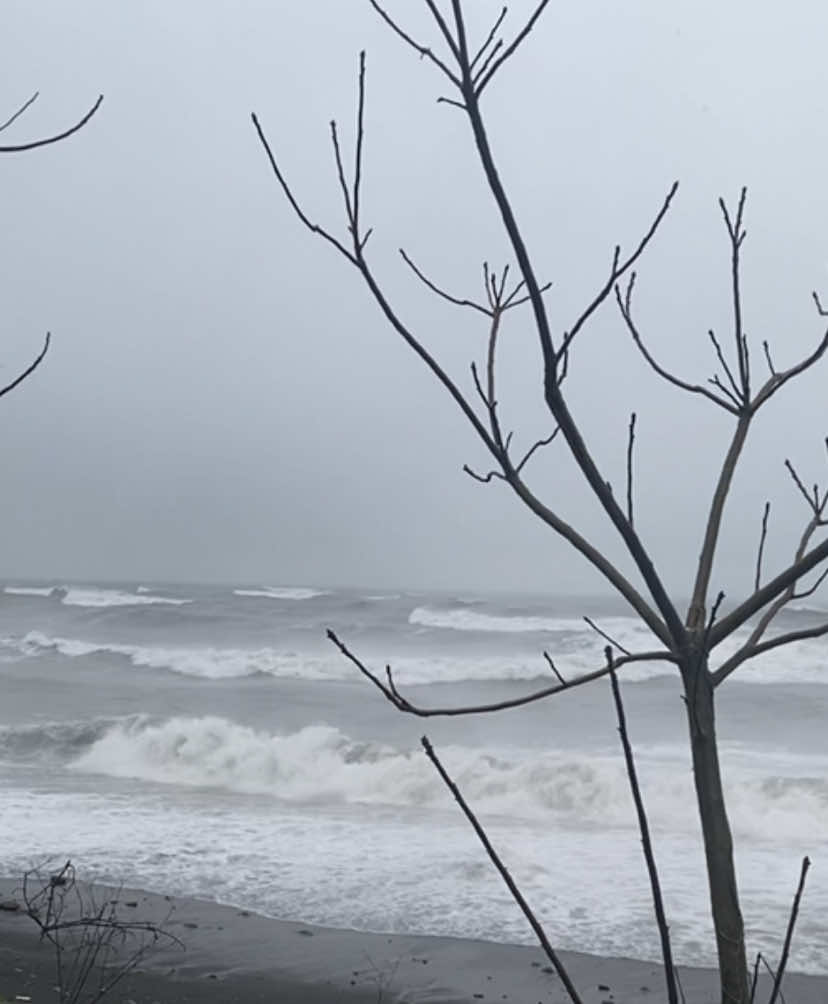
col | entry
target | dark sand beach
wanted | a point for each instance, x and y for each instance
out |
(233, 955)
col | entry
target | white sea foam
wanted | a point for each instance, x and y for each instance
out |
(77, 597)
(218, 663)
(28, 590)
(282, 593)
(803, 662)
(463, 619)
(771, 797)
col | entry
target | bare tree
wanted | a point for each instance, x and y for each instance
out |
(22, 148)
(687, 641)
(94, 946)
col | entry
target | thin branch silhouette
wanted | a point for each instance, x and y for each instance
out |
(503, 871)
(392, 694)
(644, 829)
(34, 144)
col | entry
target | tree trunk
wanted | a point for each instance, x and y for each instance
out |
(718, 843)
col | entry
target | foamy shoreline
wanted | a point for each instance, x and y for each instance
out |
(235, 955)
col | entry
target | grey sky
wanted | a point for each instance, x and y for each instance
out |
(224, 402)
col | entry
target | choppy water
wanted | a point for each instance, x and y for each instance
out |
(210, 741)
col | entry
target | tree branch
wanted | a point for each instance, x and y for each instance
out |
(552, 391)
(780, 972)
(534, 923)
(646, 842)
(605, 636)
(393, 696)
(30, 369)
(758, 577)
(630, 448)
(536, 446)
(618, 269)
(34, 144)
(745, 653)
(20, 111)
(625, 308)
(483, 81)
(737, 235)
(695, 613)
(457, 301)
(422, 50)
(489, 38)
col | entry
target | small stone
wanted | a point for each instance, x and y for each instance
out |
(131, 903)
(305, 931)
(478, 997)
(603, 986)
(549, 969)
(190, 924)
(212, 976)
(244, 913)
(9, 905)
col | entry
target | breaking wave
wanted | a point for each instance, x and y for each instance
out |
(320, 764)
(281, 593)
(464, 619)
(221, 663)
(75, 596)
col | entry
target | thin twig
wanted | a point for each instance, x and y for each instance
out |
(288, 193)
(503, 871)
(484, 479)
(712, 335)
(423, 51)
(20, 111)
(30, 369)
(456, 300)
(34, 144)
(536, 446)
(630, 448)
(360, 137)
(798, 482)
(646, 842)
(624, 301)
(403, 704)
(606, 637)
(490, 37)
(811, 589)
(618, 269)
(757, 581)
(554, 668)
(780, 972)
(510, 49)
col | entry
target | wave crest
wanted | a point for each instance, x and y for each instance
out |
(281, 593)
(321, 764)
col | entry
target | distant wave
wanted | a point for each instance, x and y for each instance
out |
(74, 596)
(802, 662)
(282, 593)
(805, 608)
(463, 619)
(220, 663)
(321, 764)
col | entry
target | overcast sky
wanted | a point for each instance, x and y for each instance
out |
(224, 401)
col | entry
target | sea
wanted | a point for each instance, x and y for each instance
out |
(212, 742)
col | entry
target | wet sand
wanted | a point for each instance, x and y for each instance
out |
(232, 955)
